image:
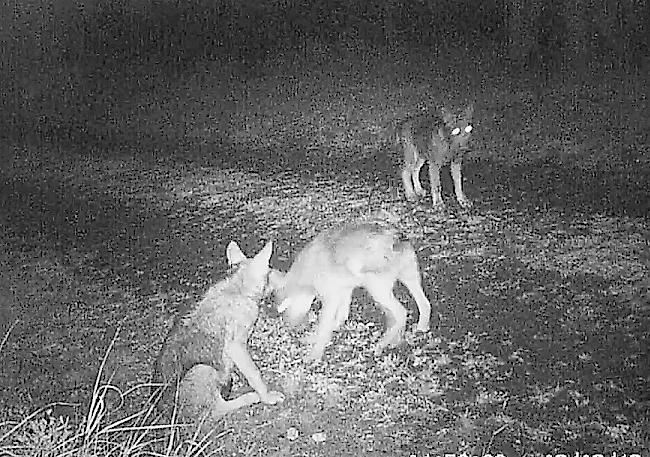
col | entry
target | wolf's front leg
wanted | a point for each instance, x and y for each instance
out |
(342, 315)
(407, 182)
(409, 275)
(417, 185)
(411, 169)
(295, 307)
(382, 291)
(238, 352)
(434, 180)
(335, 306)
(457, 176)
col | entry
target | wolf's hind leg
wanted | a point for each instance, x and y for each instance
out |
(381, 289)
(246, 399)
(200, 400)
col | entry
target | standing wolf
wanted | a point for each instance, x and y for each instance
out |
(205, 344)
(371, 255)
(438, 137)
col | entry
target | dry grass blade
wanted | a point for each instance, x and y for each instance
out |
(6, 336)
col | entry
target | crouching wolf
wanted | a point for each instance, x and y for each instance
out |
(438, 137)
(205, 344)
(371, 255)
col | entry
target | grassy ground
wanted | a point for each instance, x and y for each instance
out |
(542, 288)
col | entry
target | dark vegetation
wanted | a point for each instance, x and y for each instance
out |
(138, 139)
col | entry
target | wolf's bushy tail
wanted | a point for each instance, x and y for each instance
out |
(166, 376)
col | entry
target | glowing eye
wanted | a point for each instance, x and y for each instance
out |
(468, 129)
(456, 131)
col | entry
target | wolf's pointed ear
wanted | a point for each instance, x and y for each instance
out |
(234, 254)
(261, 259)
(469, 111)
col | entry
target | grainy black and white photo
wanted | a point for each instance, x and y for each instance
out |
(324, 228)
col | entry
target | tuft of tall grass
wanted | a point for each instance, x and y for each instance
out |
(43, 434)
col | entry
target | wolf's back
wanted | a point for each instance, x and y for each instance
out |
(367, 246)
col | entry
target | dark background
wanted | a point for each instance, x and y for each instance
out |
(542, 287)
(59, 56)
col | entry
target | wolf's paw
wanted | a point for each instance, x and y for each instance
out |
(396, 341)
(465, 203)
(379, 349)
(315, 354)
(272, 397)
(308, 338)
(438, 203)
(422, 327)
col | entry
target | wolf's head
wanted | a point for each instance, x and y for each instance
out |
(254, 271)
(292, 304)
(459, 126)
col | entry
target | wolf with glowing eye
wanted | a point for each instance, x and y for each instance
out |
(439, 137)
